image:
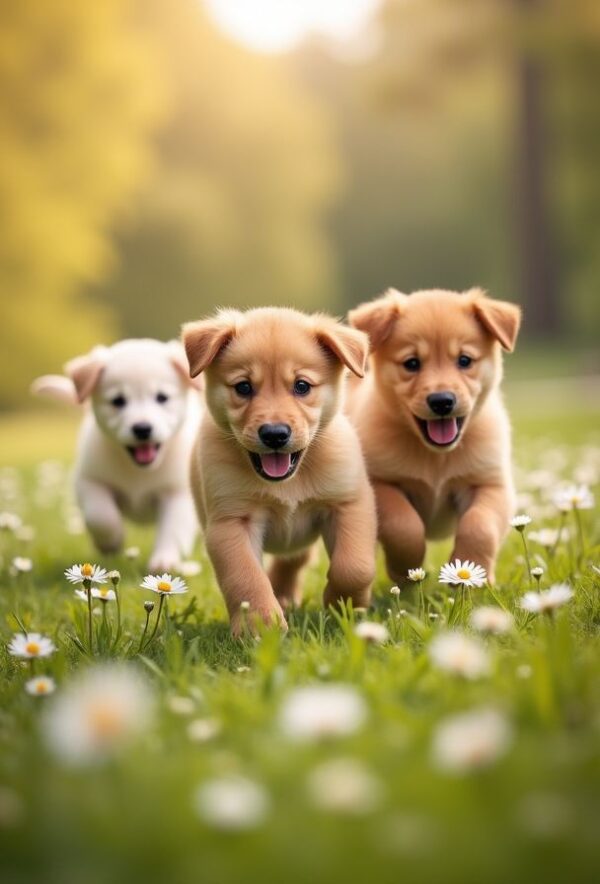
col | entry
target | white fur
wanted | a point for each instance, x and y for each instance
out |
(109, 484)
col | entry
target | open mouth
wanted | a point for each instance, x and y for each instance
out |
(442, 431)
(276, 465)
(144, 454)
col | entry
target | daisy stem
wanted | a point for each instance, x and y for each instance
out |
(145, 630)
(579, 534)
(159, 612)
(522, 533)
(561, 525)
(88, 588)
(118, 600)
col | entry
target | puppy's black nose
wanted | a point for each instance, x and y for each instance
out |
(141, 431)
(441, 403)
(274, 435)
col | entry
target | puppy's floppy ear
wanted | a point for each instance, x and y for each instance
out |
(177, 355)
(349, 345)
(85, 371)
(500, 318)
(203, 340)
(377, 317)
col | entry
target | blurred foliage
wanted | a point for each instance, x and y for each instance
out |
(78, 97)
(151, 169)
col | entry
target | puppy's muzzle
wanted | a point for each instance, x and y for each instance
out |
(275, 436)
(444, 429)
(145, 452)
(276, 464)
(442, 404)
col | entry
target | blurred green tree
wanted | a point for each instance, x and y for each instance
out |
(246, 171)
(79, 94)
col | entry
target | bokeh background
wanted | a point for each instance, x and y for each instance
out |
(158, 159)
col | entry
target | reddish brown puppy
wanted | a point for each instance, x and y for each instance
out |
(277, 464)
(434, 430)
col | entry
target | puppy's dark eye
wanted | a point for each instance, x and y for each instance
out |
(162, 398)
(301, 388)
(244, 389)
(413, 364)
(119, 401)
(464, 361)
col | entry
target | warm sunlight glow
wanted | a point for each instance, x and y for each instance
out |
(278, 25)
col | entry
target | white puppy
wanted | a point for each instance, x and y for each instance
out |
(134, 450)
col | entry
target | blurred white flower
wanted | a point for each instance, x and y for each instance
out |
(190, 568)
(344, 786)
(322, 711)
(31, 645)
(548, 537)
(79, 573)
(131, 552)
(232, 803)
(40, 686)
(574, 497)
(25, 533)
(164, 585)
(201, 730)
(372, 632)
(548, 599)
(471, 741)
(21, 565)
(524, 671)
(395, 590)
(463, 574)
(458, 653)
(181, 705)
(416, 574)
(10, 522)
(537, 572)
(520, 522)
(98, 713)
(490, 618)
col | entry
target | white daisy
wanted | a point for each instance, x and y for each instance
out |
(574, 497)
(344, 786)
(463, 574)
(537, 572)
(372, 632)
(10, 522)
(520, 522)
(103, 593)
(548, 537)
(232, 803)
(548, 599)
(181, 705)
(91, 573)
(322, 711)
(190, 568)
(395, 591)
(416, 574)
(98, 713)
(31, 645)
(21, 565)
(471, 741)
(164, 585)
(490, 618)
(201, 730)
(40, 686)
(458, 653)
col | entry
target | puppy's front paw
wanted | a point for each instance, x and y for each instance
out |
(165, 560)
(250, 620)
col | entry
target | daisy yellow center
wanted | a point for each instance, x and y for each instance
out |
(103, 593)
(32, 648)
(87, 570)
(463, 573)
(41, 687)
(105, 720)
(163, 586)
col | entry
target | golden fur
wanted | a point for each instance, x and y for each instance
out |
(424, 490)
(328, 495)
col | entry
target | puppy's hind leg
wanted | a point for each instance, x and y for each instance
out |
(401, 531)
(284, 575)
(101, 515)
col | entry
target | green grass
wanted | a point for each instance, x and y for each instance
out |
(534, 813)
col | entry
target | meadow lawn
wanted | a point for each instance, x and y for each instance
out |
(231, 775)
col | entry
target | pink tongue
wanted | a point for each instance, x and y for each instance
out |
(145, 454)
(442, 431)
(275, 465)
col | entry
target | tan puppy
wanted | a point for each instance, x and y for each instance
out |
(277, 464)
(434, 431)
